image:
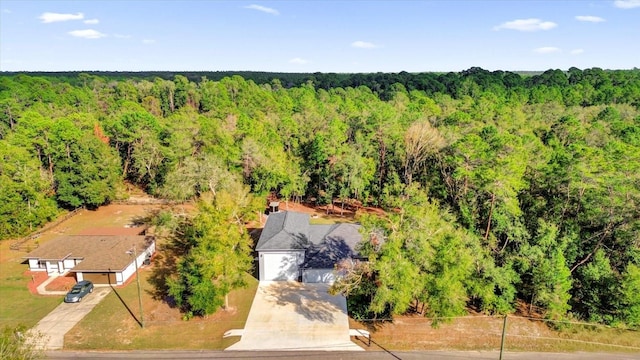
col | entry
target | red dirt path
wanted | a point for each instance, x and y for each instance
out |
(62, 283)
(329, 211)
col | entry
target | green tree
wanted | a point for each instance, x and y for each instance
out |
(418, 259)
(631, 295)
(87, 172)
(26, 198)
(220, 256)
(549, 283)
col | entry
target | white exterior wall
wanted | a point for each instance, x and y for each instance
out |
(119, 278)
(34, 265)
(68, 264)
(79, 277)
(127, 272)
(51, 266)
(122, 277)
(280, 265)
(150, 250)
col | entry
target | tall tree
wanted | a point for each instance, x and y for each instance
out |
(421, 141)
(220, 256)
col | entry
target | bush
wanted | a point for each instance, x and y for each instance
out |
(17, 344)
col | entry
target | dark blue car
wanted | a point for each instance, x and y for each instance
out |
(79, 290)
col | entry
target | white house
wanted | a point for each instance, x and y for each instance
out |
(290, 248)
(102, 259)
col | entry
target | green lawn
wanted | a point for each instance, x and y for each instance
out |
(17, 305)
(113, 323)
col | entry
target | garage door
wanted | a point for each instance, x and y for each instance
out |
(327, 276)
(100, 278)
(278, 266)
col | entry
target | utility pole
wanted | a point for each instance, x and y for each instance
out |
(135, 257)
(504, 335)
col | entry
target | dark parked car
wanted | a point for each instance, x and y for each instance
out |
(79, 290)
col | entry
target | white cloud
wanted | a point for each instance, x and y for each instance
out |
(148, 41)
(526, 25)
(298, 61)
(589, 18)
(363, 45)
(50, 17)
(626, 4)
(577, 51)
(91, 21)
(547, 50)
(87, 34)
(263, 9)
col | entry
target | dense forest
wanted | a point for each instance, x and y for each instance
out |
(500, 187)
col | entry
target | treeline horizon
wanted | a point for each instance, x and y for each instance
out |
(504, 187)
(379, 82)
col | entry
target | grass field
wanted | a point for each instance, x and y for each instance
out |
(17, 305)
(479, 332)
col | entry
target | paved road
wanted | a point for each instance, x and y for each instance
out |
(63, 318)
(321, 355)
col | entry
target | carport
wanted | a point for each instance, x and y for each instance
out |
(288, 315)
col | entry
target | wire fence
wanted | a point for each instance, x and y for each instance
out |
(29, 242)
(491, 333)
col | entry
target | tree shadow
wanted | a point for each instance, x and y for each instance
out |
(374, 324)
(255, 233)
(328, 253)
(309, 300)
(164, 266)
(173, 247)
(289, 267)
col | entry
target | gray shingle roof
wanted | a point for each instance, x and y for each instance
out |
(325, 244)
(285, 230)
(339, 242)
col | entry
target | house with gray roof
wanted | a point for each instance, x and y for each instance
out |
(290, 248)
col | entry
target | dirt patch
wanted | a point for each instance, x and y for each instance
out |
(37, 278)
(413, 332)
(62, 283)
(127, 230)
(333, 211)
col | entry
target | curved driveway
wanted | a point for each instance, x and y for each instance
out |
(50, 331)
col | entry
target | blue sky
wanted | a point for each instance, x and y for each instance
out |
(325, 36)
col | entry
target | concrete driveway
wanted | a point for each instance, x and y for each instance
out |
(296, 316)
(51, 329)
